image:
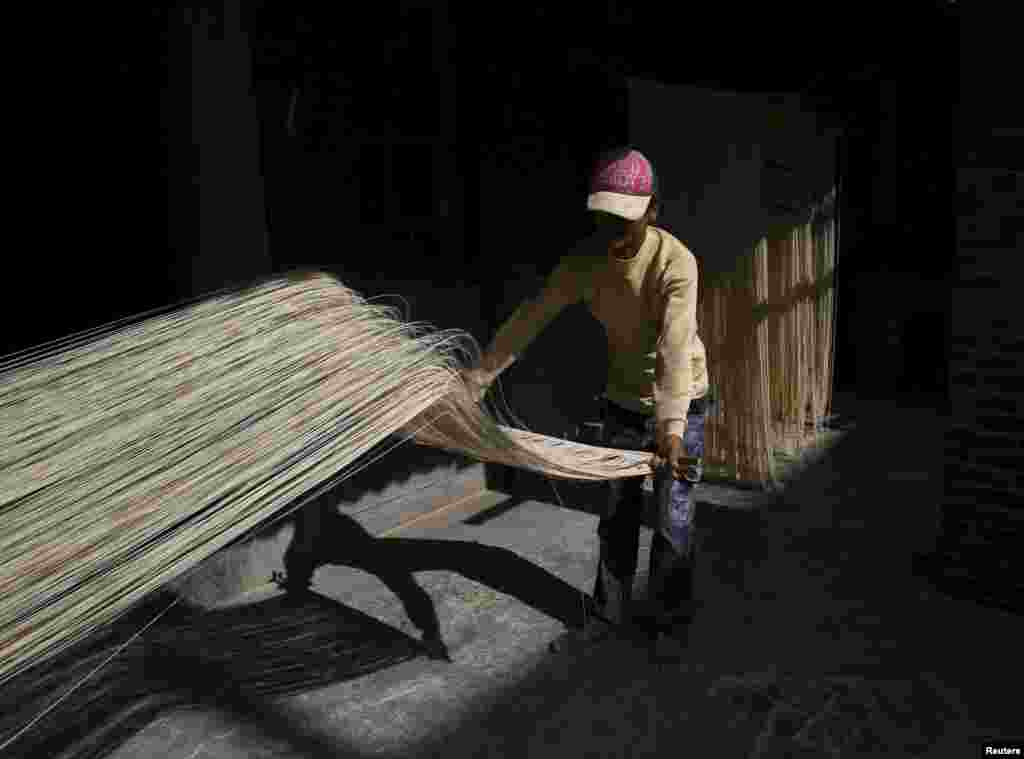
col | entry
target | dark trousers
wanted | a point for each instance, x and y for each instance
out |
(673, 550)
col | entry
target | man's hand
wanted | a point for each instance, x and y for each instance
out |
(670, 452)
(478, 381)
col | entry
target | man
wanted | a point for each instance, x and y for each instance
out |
(640, 282)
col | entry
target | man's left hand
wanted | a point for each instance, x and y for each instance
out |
(670, 452)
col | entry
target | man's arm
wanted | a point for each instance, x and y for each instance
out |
(673, 372)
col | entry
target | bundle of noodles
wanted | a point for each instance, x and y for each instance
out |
(823, 231)
(134, 452)
(737, 436)
(801, 318)
(759, 373)
(790, 339)
(768, 327)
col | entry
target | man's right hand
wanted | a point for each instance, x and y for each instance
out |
(478, 381)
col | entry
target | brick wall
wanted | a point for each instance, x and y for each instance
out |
(981, 519)
(982, 515)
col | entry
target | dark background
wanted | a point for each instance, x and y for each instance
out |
(407, 120)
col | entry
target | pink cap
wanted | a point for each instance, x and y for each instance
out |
(622, 186)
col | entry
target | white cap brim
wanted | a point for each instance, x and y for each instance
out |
(630, 207)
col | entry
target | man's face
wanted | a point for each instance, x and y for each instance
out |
(621, 237)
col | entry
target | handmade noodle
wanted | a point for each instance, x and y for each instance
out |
(131, 456)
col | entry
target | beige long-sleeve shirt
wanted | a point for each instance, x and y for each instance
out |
(648, 306)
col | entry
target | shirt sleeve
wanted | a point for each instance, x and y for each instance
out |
(562, 288)
(673, 387)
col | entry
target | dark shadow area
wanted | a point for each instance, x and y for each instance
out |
(116, 684)
(560, 699)
(232, 660)
(867, 513)
(342, 541)
(237, 658)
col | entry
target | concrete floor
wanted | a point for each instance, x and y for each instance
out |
(813, 634)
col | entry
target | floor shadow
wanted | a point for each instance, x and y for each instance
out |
(240, 658)
(342, 541)
(235, 660)
(286, 645)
